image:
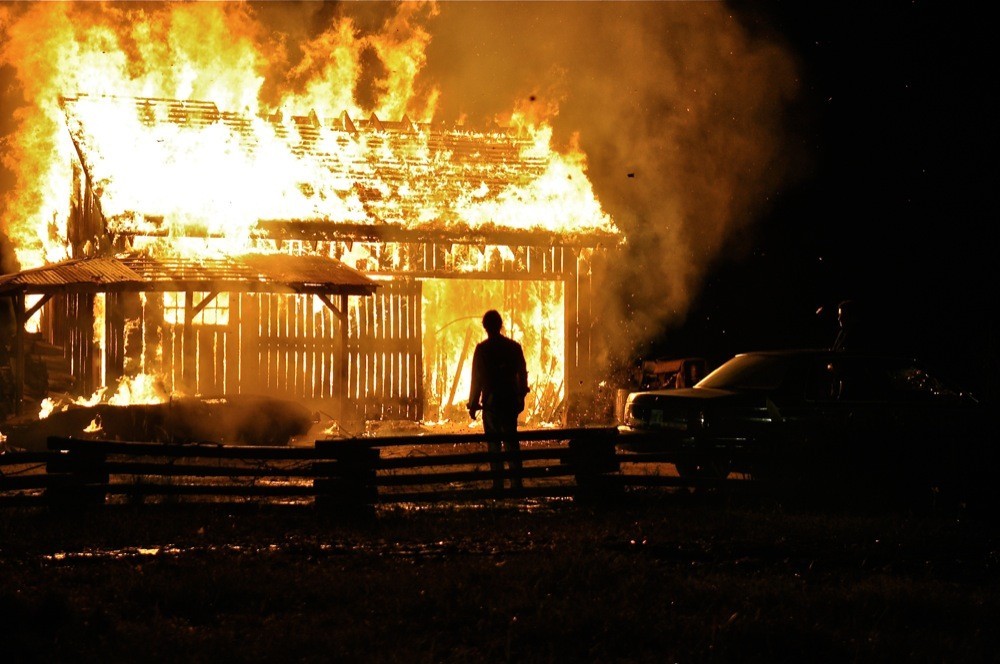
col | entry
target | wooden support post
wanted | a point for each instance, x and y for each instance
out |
(114, 338)
(233, 355)
(340, 375)
(593, 460)
(346, 480)
(91, 361)
(342, 361)
(131, 308)
(19, 351)
(189, 369)
(571, 326)
(83, 473)
(418, 336)
(252, 366)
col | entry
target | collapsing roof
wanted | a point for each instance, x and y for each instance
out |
(156, 165)
(256, 273)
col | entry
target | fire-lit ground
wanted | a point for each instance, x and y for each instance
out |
(661, 580)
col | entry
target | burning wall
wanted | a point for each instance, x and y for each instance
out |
(677, 106)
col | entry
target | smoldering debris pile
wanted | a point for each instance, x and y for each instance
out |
(235, 420)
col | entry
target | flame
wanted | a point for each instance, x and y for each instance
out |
(94, 426)
(47, 407)
(140, 389)
(220, 178)
(192, 119)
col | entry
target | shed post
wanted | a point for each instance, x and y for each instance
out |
(342, 360)
(188, 369)
(570, 271)
(20, 319)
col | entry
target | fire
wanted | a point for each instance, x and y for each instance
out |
(215, 53)
(143, 388)
(48, 407)
(187, 125)
(140, 389)
(94, 426)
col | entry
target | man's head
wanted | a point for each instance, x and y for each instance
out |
(492, 322)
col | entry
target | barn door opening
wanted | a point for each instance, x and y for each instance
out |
(533, 315)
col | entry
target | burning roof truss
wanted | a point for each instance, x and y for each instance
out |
(301, 175)
(317, 204)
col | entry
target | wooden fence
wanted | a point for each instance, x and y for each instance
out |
(357, 473)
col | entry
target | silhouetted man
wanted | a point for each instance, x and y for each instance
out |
(499, 384)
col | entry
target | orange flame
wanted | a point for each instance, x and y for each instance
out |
(94, 426)
(259, 137)
(210, 177)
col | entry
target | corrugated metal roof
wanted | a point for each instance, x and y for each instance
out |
(262, 273)
(93, 272)
(356, 171)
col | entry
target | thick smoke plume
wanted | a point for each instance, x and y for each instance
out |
(678, 107)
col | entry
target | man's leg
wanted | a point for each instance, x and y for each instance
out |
(513, 447)
(493, 428)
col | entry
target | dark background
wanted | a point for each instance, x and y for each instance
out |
(898, 212)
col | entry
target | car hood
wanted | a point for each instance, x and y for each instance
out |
(687, 409)
(691, 393)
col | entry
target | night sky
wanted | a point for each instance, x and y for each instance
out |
(897, 208)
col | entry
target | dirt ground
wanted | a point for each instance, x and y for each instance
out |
(655, 578)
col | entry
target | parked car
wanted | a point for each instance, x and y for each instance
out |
(796, 415)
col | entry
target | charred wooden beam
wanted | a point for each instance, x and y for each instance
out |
(36, 306)
(339, 312)
(447, 274)
(281, 230)
(483, 236)
(197, 308)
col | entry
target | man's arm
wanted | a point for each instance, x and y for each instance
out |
(522, 372)
(476, 384)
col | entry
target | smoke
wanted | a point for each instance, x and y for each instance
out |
(680, 109)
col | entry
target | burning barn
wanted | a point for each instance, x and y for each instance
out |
(344, 260)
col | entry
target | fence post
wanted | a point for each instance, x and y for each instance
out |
(78, 475)
(593, 459)
(345, 478)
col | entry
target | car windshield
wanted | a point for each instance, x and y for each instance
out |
(748, 372)
(840, 377)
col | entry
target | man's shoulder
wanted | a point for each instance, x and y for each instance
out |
(499, 344)
(511, 344)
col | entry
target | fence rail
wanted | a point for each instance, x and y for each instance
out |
(581, 463)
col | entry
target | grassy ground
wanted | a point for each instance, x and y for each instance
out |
(657, 578)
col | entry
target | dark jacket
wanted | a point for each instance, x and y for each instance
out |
(499, 376)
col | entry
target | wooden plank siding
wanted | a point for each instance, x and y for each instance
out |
(292, 345)
(385, 353)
